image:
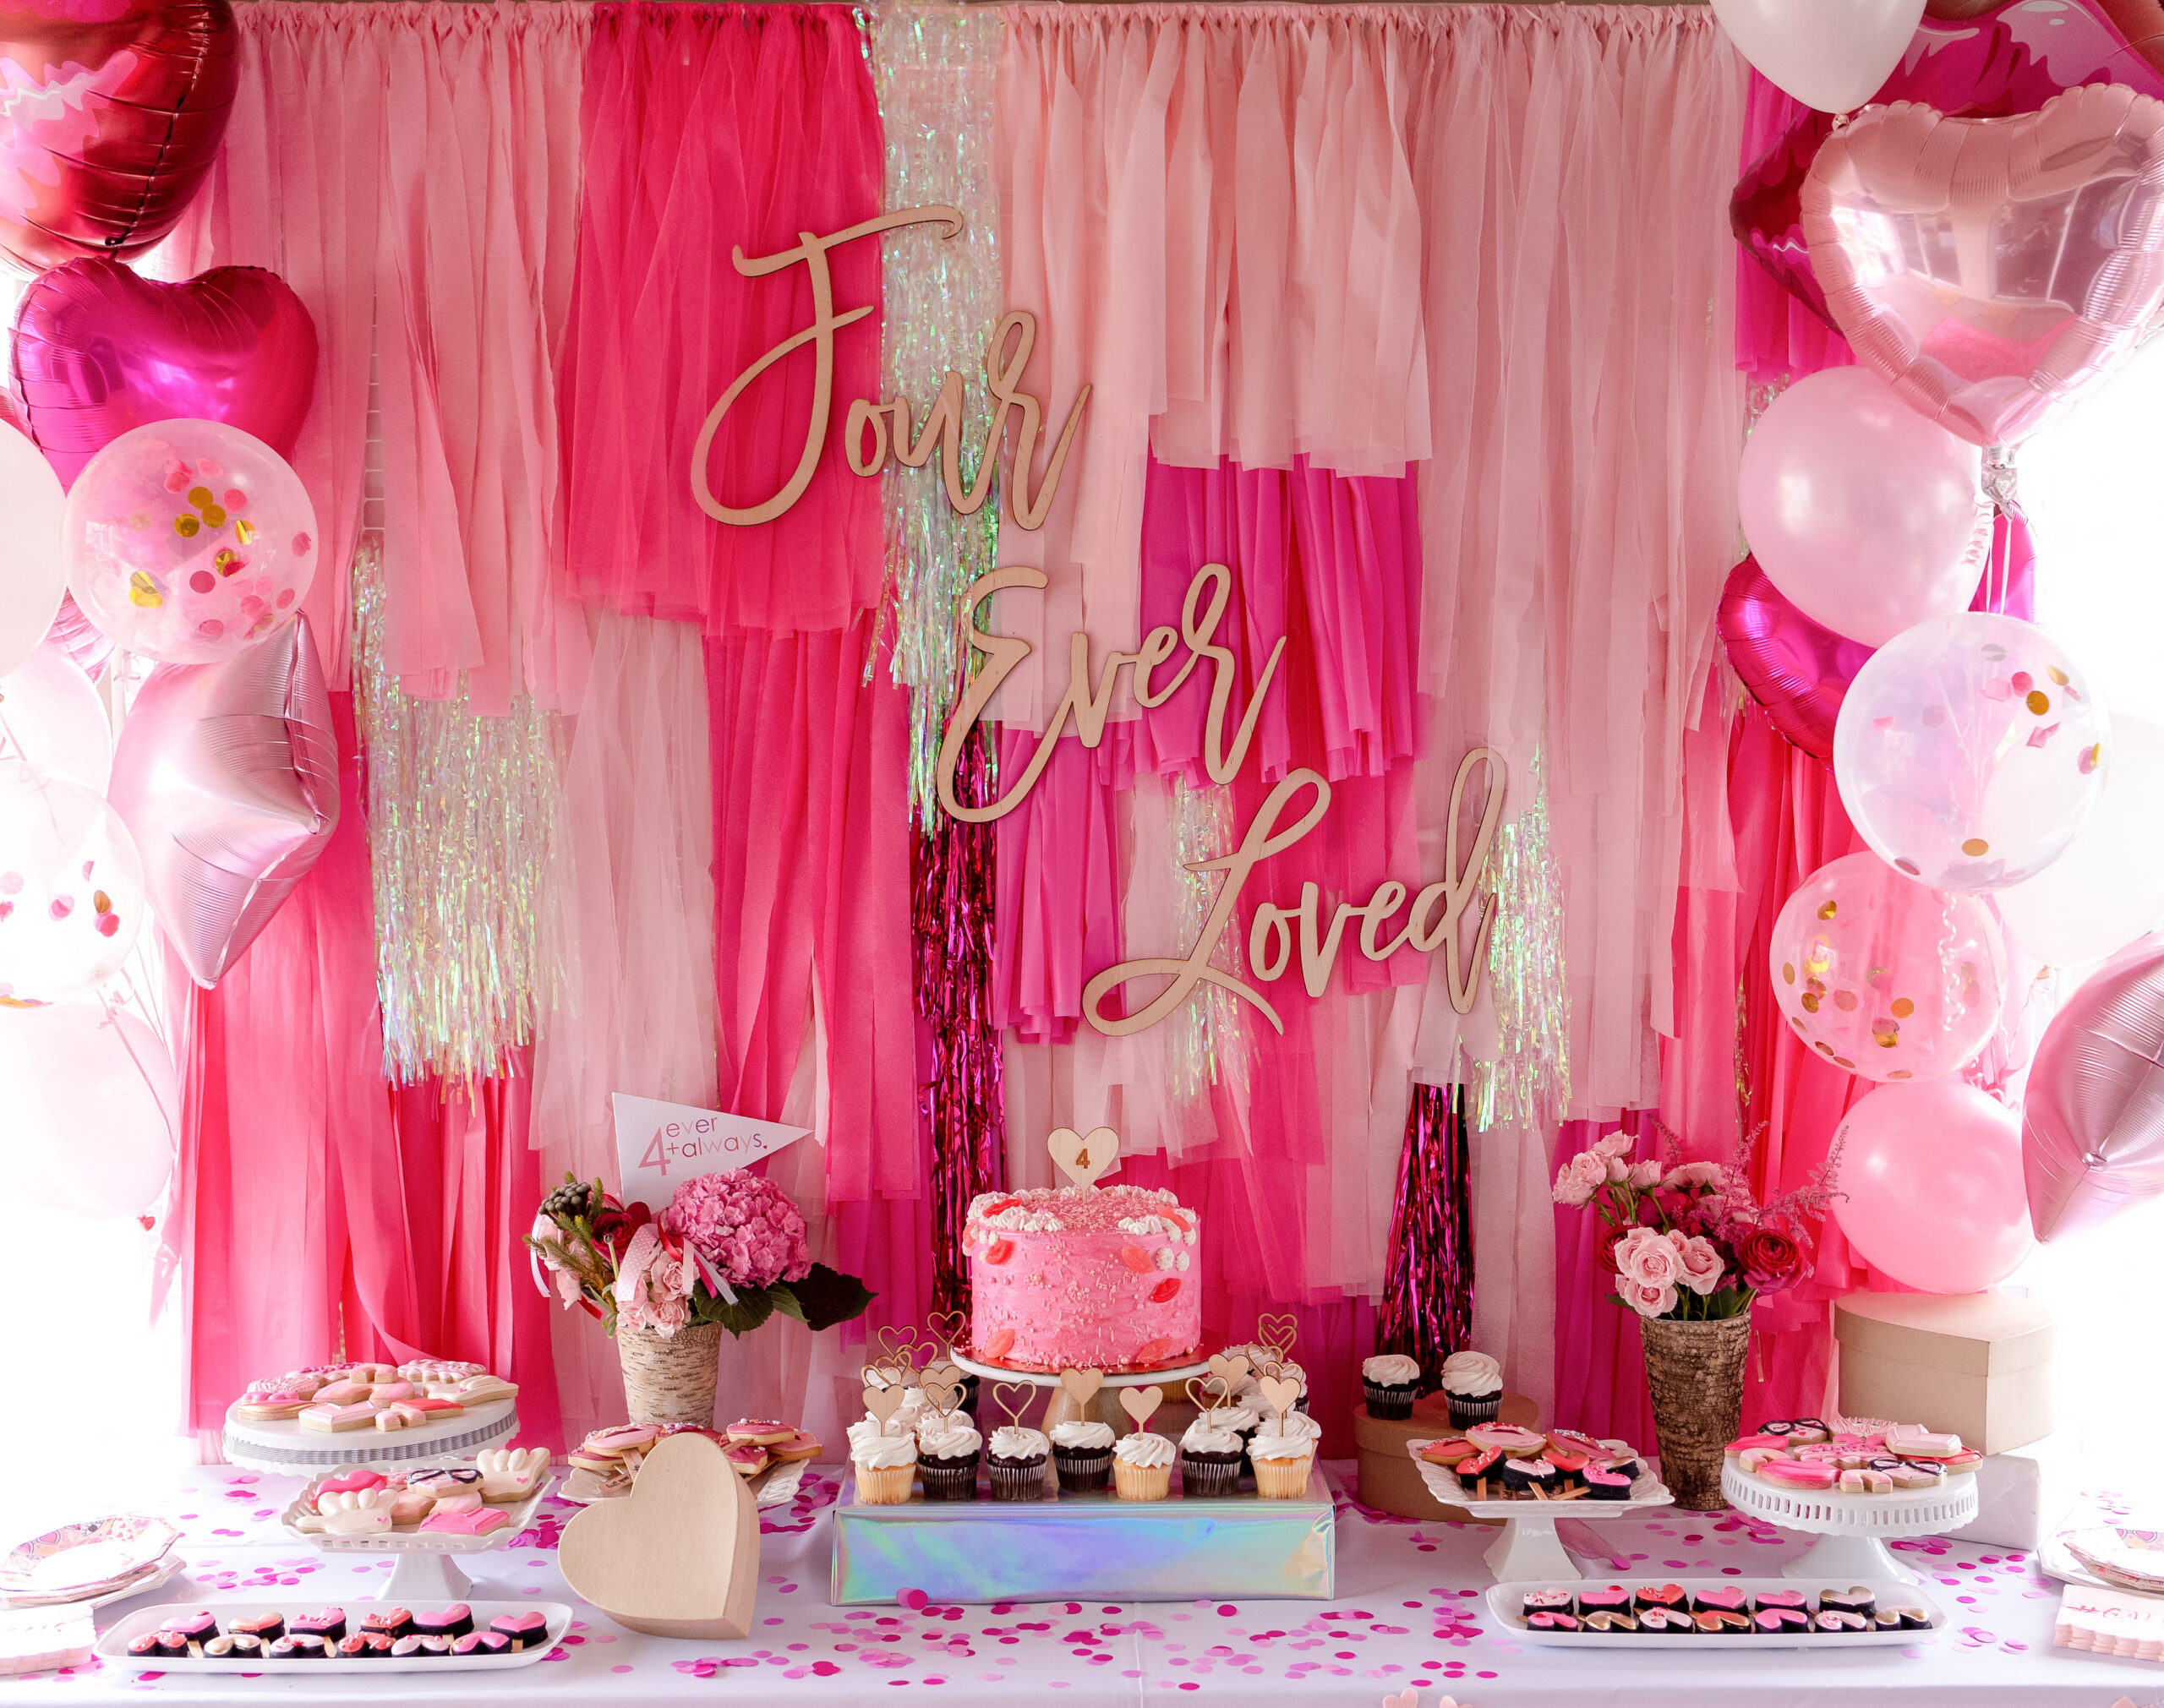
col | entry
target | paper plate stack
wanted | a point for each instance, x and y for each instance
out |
(2129, 1559)
(91, 1563)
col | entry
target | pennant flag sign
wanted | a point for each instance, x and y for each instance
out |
(661, 1145)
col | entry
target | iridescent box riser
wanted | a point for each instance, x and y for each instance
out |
(1088, 1546)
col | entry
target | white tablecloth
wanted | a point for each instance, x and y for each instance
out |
(1410, 1612)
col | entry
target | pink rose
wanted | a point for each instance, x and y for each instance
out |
(1614, 1145)
(1618, 1170)
(1645, 1175)
(1577, 1180)
(1646, 1300)
(1686, 1176)
(1703, 1268)
(1650, 1258)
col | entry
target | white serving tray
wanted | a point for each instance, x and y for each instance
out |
(1504, 1601)
(112, 1646)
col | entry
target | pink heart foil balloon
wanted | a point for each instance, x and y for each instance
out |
(2092, 1139)
(227, 775)
(1991, 270)
(99, 351)
(114, 111)
(2011, 60)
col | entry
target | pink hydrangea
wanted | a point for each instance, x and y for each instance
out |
(744, 1226)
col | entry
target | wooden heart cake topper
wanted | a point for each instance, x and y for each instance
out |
(1140, 1403)
(943, 1389)
(1280, 1394)
(1085, 1158)
(899, 1348)
(1015, 1407)
(947, 1328)
(882, 1398)
(1278, 1333)
(1082, 1385)
(1200, 1395)
(1232, 1371)
(679, 1555)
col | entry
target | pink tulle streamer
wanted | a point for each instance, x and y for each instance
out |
(1427, 1309)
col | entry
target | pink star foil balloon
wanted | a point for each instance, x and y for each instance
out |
(227, 773)
(2092, 1141)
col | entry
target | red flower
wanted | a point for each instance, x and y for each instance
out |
(1772, 1260)
(614, 1225)
(1610, 1238)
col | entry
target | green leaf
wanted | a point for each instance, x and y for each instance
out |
(750, 1310)
(822, 1298)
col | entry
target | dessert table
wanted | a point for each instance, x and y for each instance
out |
(1411, 1613)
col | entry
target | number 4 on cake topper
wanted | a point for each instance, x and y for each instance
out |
(1085, 1158)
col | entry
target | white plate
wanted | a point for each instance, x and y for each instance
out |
(1504, 1602)
(1648, 1490)
(163, 1573)
(409, 1541)
(97, 1554)
(112, 1646)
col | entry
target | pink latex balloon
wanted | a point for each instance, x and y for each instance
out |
(33, 565)
(93, 1111)
(99, 352)
(1931, 1179)
(1865, 520)
(1884, 977)
(1992, 268)
(71, 888)
(1830, 54)
(227, 773)
(188, 541)
(50, 715)
(1970, 751)
(2092, 1128)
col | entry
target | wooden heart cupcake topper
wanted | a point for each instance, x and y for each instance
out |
(1085, 1158)
(1207, 1392)
(948, 1327)
(1140, 1404)
(1278, 1333)
(1021, 1393)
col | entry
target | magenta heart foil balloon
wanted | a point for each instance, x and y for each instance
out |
(2012, 61)
(100, 352)
(227, 776)
(1991, 269)
(1800, 671)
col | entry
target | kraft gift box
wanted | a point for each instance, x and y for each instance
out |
(1978, 1364)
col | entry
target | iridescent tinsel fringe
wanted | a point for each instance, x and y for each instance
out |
(1426, 1305)
(952, 920)
(462, 810)
(1528, 1083)
(937, 67)
(1206, 1044)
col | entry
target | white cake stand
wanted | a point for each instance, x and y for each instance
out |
(1061, 1408)
(1528, 1548)
(283, 1448)
(426, 1568)
(1854, 1529)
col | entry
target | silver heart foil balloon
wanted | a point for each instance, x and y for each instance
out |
(227, 775)
(2092, 1139)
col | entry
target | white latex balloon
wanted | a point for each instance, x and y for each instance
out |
(93, 1108)
(71, 889)
(2108, 888)
(50, 715)
(33, 566)
(1830, 54)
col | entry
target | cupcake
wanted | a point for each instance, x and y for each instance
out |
(1243, 1420)
(1393, 1381)
(1472, 1383)
(1209, 1460)
(1017, 1462)
(1082, 1454)
(1142, 1466)
(947, 1450)
(886, 1464)
(1282, 1463)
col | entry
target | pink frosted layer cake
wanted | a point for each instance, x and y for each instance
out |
(1069, 1278)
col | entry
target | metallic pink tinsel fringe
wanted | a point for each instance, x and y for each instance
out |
(953, 925)
(1427, 1310)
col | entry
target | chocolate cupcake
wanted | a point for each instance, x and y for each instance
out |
(1082, 1454)
(1391, 1382)
(947, 1449)
(1472, 1383)
(1017, 1463)
(1209, 1460)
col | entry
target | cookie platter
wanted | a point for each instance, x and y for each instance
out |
(284, 1448)
(1506, 1605)
(424, 1570)
(112, 1647)
(1529, 1546)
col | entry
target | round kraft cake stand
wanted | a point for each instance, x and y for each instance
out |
(1852, 1530)
(283, 1448)
(1061, 1408)
(1528, 1548)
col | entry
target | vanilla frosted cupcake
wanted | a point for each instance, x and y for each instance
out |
(1209, 1460)
(1282, 1463)
(1142, 1466)
(1472, 1383)
(1391, 1382)
(947, 1449)
(1082, 1454)
(886, 1466)
(1018, 1464)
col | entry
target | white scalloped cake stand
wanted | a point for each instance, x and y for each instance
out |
(1061, 1408)
(1528, 1548)
(1853, 1529)
(424, 1569)
(283, 1448)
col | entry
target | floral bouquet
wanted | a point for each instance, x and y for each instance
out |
(1688, 1242)
(730, 1248)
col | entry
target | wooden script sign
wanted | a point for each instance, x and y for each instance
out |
(1434, 918)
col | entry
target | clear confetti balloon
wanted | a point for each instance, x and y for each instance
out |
(188, 541)
(1884, 978)
(71, 888)
(1970, 751)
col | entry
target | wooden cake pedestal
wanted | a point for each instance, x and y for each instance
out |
(1390, 1482)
